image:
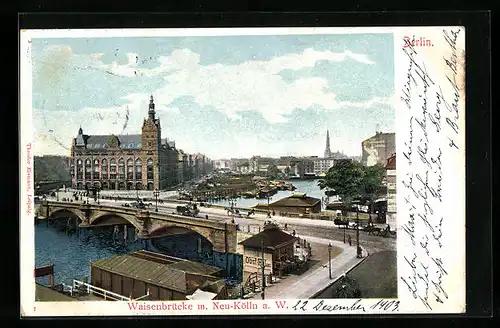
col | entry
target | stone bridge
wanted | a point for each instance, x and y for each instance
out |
(148, 224)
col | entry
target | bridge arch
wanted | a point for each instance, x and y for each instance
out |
(110, 218)
(172, 229)
(183, 242)
(65, 212)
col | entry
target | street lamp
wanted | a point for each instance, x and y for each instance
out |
(330, 259)
(345, 226)
(57, 193)
(358, 249)
(263, 288)
(156, 193)
(137, 190)
(97, 192)
(268, 208)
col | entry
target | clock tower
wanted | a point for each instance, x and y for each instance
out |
(151, 145)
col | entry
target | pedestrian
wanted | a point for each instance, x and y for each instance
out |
(349, 240)
(286, 226)
(293, 233)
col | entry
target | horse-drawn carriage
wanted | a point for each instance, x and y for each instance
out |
(377, 231)
(188, 210)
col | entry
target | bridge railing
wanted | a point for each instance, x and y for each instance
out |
(93, 290)
(133, 211)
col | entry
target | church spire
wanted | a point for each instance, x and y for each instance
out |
(328, 152)
(151, 112)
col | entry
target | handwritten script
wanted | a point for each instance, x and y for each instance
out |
(433, 129)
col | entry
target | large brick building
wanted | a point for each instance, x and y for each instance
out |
(378, 148)
(125, 162)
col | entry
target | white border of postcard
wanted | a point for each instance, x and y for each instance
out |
(430, 143)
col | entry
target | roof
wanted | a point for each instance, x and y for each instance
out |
(380, 135)
(201, 295)
(272, 238)
(195, 267)
(144, 270)
(391, 162)
(297, 200)
(165, 271)
(101, 142)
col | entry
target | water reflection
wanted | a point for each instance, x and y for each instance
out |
(71, 253)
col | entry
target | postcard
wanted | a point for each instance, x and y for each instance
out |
(242, 171)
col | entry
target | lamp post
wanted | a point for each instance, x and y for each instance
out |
(97, 191)
(358, 249)
(57, 193)
(156, 193)
(330, 260)
(268, 208)
(345, 226)
(263, 288)
(137, 191)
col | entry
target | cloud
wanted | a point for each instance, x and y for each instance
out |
(255, 87)
(249, 86)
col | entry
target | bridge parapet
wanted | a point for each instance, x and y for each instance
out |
(223, 236)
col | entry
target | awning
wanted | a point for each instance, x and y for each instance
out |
(380, 200)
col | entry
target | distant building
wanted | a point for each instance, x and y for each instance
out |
(258, 164)
(376, 149)
(222, 164)
(390, 167)
(322, 165)
(328, 152)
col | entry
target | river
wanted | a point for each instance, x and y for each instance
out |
(71, 253)
(310, 187)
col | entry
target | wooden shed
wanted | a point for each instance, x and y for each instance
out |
(166, 277)
(297, 203)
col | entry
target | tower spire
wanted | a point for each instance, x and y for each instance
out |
(328, 152)
(151, 111)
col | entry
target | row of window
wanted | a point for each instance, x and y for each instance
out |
(114, 171)
(112, 161)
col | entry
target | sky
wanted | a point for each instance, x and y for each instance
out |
(223, 96)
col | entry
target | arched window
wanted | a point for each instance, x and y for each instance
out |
(112, 169)
(88, 169)
(130, 169)
(121, 169)
(138, 169)
(96, 169)
(150, 169)
(104, 169)
(79, 169)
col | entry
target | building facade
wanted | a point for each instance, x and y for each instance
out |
(391, 191)
(125, 162)
(377, 149)
(322, 165)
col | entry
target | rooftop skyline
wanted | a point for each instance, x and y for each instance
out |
(225, 96)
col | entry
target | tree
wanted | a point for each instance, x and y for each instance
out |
(351, 180)
(273, 172)
(372, 183)
(345, 178)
